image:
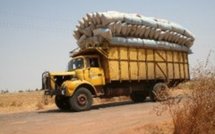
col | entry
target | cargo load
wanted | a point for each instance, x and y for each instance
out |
(131, 29)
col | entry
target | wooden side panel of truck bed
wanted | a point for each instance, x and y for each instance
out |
(128, 64)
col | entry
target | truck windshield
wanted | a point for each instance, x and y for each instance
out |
(76, 64)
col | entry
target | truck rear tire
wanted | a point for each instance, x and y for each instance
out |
(81, 100)
(62, 102)
(160, 92)
(138, 97)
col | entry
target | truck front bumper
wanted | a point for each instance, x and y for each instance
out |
(52, 92)
(46, 86)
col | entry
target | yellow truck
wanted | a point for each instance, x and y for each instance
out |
(115, 71)
(121, 55)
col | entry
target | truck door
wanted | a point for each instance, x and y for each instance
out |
(95, 74)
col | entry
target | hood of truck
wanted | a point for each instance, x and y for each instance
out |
(62, 73)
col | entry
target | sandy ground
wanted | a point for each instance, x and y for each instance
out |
(115, 118)
(22, 113)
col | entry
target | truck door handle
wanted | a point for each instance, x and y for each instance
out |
(99, 74)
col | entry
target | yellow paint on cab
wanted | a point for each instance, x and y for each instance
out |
(71, 86)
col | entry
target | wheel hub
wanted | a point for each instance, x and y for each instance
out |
(82, 99)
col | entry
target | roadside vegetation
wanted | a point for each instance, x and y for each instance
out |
(23, 101)
(194, 112)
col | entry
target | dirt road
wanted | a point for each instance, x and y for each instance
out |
(117, 118)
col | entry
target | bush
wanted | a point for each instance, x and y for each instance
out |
(16, 104)
(20, 91)
(196, 113)
(40, 105)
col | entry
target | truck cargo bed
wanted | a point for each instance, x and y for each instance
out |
(135, 64)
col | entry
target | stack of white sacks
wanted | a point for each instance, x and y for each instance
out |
(131, 29)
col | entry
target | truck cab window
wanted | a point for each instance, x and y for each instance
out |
(76, 64)
(93, 62)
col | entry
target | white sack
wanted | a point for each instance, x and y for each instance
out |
(98, 18)
(143, 29)
(147, 31)
(77, 35)
(117, 27)
(103, 32)
(133, 30)
(188, 34)
(166, 35)
(164, 26)
(161, 35)
(177, 28)
(138, 31)
(124, 29)
(132, 19)
(148, 22)
(111, 16)
(157, 33)
(111, 26)
(152, 33)
(83, 37)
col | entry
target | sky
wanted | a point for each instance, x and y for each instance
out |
(36, 35)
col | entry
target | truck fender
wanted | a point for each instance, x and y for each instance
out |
(71, 86)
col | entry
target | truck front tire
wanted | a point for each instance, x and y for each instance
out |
(62, 102)
(81, 100)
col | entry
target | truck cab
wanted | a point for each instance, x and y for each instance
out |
(87, 68)
(75, 88)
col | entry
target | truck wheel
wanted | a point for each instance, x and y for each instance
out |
(81, 100)
(62, 102)
(160, 92)
(138, 97)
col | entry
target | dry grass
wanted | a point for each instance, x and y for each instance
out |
(195, 112)
(24, 101)
(40, 105)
